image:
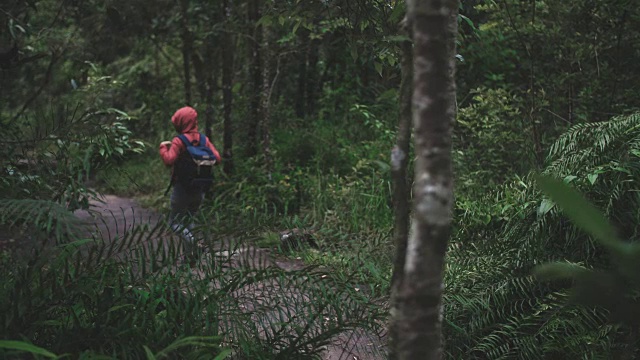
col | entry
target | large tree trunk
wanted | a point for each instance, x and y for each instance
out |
(227, 95)
(186, 49)
(420, 312)
(399, 161)
(255, 71)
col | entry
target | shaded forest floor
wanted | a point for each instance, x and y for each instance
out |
(114, 216)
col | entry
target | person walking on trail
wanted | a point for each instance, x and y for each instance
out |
(192, 157)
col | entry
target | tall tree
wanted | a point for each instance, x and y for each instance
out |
(303, 38)
(255, 74)
(227, 94)
(312, 76)
(399, 161)
(268, 81)
(419, 296)
(186, 48)
(211, 85)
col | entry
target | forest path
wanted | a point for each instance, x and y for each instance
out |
(114, 215)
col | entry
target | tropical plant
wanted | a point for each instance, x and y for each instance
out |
(53, 155)
(495, 307)
(122, 295)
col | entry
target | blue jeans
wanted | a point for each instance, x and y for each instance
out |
(185, 203)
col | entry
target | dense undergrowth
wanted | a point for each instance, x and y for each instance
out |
(495, 307)
(124, 297)
(541, 86)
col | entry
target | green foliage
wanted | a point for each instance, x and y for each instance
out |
(145, 176)
(54, 154)
(527, 71)
(495, 306)
(613, 290)
(124, 297)
(21, 346)
(491, 137)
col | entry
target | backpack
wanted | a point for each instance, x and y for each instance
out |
(194, 167)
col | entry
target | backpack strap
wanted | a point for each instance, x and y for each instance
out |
(202, 141)
(185, 141)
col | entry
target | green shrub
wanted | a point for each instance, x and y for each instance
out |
(495, 308)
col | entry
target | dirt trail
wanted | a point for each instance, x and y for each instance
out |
(114, 216)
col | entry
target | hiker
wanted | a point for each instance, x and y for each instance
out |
(192, 163)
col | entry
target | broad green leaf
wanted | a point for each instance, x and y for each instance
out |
(467, 20)
(384, 167)
(265, 20)
(559, 271)
(119, 112)
(149, 353)
(545, 206)
(26, 347)
(579, 210)
(378, 67)
(391, 60)
(354, 53)
(592, 178)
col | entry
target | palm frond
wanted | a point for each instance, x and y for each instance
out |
(494, 308)
(123, 295)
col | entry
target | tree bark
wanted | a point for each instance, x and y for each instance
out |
(200, 73)
(256, 79)
(420, 313)
(399, 161)
(265, 100)
(227, 95)
(186, 49)
(312, 77)
(300, 103)
(211, 84)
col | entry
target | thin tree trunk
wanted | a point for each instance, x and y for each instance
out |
(211, 83)
(300, 102)
(331, 59)
(618, 56)
(186, 49)
(312, 77)
(420, 295)
(227, 95)
(256, 79)
(399, 161)
(535, 126)
(265, 101)
(200, 73)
